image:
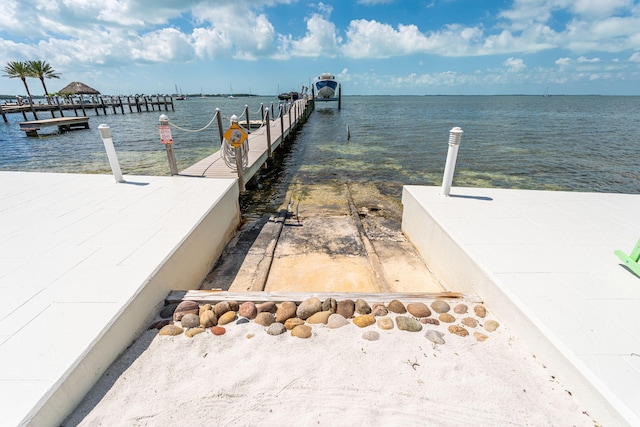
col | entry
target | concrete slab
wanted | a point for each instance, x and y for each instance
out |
(543, 262)
(84, 262)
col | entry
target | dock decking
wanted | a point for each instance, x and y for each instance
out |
(63, 123)
(214, 166)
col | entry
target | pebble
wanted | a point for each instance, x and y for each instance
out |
(336, 321)
(470, 322)
(330, 304)
(233, 305)
(460, 309)
(287, 310)
(185, 307)
(205, 307)
(491, 325)
(218, 330)
(418, 309)
(446, 318)
(364, 320)
(276, 328)
(397, 307)
(248, 309)
(385, 323)
(362, 307)
(378, 309)
(227, 317)
(292, 323)
(479, 336)
(160, 324)
(480, 311)
(267, 307)
(192, 332)
(409, 324)
(168, 310)
(458, 330)
(429, 321)
(190, 320)
(170, 330)
(242, 321)
(346, 308)
(301, 331)
(308, 307)
(265, 318)
(434, 336)
(371, 336)
(221, 308)
(440, 306)
(319, 317)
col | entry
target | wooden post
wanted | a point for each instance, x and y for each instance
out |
(59, 107)
(33, 110)
(164, 123)
(272, 109)
(289, 118)
(4, 116)
(146, 103)
(94, 102)
(241, 184)
(340, 96)
(246, 114)
(281, 113)
(268, 124)
(82, 105)
(219, 118)
(104, 107)
(129, 103)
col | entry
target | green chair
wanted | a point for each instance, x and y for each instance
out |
(631, 261)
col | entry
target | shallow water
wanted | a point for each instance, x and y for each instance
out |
(577, 143)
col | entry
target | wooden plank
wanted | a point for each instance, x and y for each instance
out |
(214, 166)
(211, 296)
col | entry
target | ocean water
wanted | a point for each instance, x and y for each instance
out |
(576, 143)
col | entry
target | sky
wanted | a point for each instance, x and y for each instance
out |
(373, 47)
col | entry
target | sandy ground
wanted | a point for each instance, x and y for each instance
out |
(334, 378)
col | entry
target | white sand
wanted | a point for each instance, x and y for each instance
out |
(334, 378)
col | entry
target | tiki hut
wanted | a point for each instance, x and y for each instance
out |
(78, 88)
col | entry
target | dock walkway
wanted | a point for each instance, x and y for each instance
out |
(214, 165)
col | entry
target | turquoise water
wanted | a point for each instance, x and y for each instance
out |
(578, 143)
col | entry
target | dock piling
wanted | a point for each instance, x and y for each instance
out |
(167, 140)
(105, 133)
(455, 135)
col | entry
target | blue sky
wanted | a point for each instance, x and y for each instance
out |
(380, 47)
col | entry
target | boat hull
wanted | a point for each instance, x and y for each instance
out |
(326, 88)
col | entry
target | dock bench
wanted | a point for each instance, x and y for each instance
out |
(64, 124)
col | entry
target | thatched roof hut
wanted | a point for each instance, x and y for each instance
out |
(78, 88)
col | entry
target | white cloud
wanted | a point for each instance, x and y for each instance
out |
(514, 65)
(635, 57)
(585, 59)
(321, 39)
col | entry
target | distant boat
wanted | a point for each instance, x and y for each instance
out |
(178, 95)
(326, 86)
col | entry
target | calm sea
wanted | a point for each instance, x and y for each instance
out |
(577, 143)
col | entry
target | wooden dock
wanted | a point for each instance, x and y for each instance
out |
(81, 105)
(64, 124)
(259, 151)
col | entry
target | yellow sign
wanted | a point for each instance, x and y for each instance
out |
(235, 135)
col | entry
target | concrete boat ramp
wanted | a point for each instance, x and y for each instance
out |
(86, 261)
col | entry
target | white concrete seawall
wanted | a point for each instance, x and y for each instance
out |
(543, 262)
(84, 262)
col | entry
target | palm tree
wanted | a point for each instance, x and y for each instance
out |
(42, 70)
(17, 69)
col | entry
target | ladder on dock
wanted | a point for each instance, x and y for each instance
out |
(64, 124)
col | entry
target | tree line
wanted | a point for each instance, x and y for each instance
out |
(30, 69)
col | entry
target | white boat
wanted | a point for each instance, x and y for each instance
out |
(326, 86)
